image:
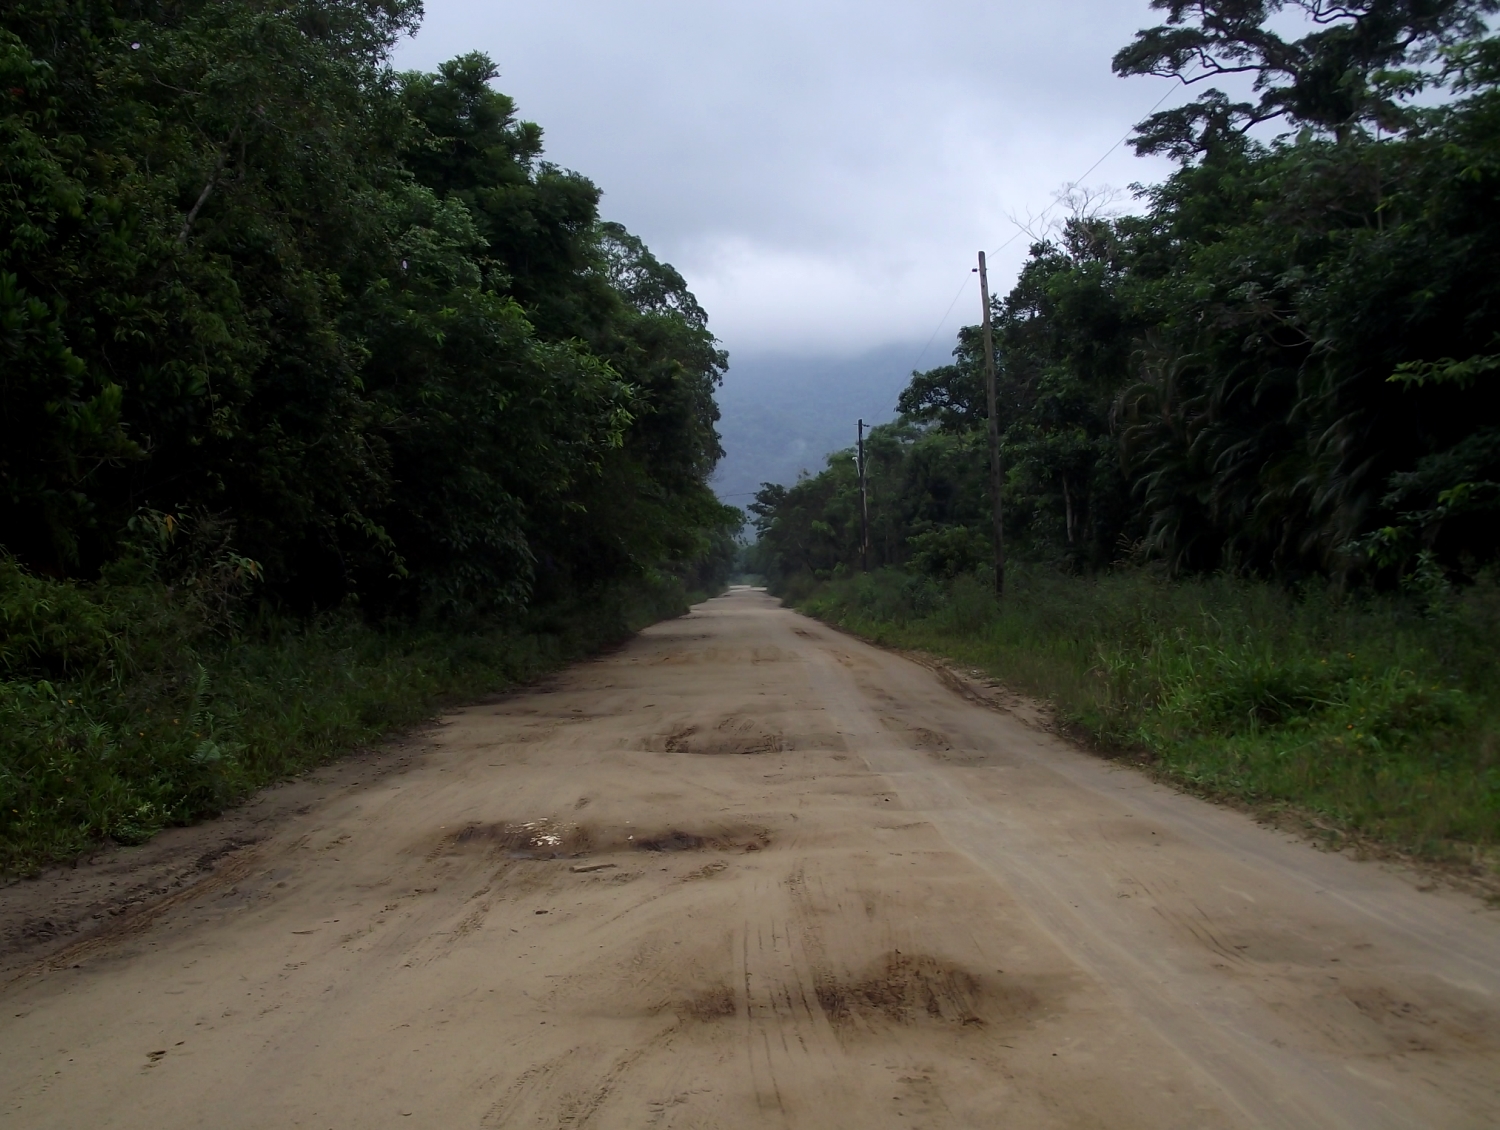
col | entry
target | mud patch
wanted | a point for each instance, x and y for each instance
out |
(736, 734)
(908, 989)
(728, 840)
(673, 841)
(677, 740)
(919, 738)
(534, 839)
(930, 741)
(558, 839)
(710, 1005)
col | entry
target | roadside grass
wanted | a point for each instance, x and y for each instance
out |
(1374, 718)
(123, 709)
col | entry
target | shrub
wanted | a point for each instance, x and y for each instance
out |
(122, 713)
(1377, 713)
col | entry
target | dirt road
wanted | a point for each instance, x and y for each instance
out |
(747, 872)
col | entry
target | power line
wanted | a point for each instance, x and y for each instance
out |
(963, 286)
(1021, 231)
(1123, 139)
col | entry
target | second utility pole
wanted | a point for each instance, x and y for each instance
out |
(864, 507)
(990, 399)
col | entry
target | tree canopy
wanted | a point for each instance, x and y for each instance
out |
(1281, 365)
(251, 275)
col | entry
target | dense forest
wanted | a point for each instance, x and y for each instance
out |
(1249, 438)
(255, 279)
(287, 335)
(1281, 365)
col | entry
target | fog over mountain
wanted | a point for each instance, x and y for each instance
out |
(821, 173)
(783, 413)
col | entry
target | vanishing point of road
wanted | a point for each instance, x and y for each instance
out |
(748, 872)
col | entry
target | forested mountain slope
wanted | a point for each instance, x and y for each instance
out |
(783, 414)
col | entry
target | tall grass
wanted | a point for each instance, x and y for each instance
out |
(1373, 715)
(124, 709)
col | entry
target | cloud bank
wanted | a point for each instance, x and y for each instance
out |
(822, 173)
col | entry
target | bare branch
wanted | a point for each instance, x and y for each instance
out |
(213, 178)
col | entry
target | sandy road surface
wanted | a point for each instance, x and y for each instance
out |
(746, 872)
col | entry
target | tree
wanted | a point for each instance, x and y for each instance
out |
(248, 273)
(1344, 75)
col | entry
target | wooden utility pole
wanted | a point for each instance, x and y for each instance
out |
(864, 507)
(990, 399)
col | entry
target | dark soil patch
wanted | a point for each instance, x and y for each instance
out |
(556, 839)
(906, 989)
(712, 1004)
(678, 840)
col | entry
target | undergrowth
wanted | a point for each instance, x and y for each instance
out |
(1375, 716)
(129, 704)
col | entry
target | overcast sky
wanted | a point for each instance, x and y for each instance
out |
(822, 172)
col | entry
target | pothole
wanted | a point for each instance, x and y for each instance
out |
(535, 839)
(558, 839)
(910, 989)
(735, 734)
(712, 1004)
(678, 840)
(673, 841)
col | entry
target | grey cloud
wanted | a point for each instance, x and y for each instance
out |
(822, 173)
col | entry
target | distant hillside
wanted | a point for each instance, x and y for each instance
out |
(783, 414)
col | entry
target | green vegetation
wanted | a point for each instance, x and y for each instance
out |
(249, 273)
(1373, 716)
(1284, 365)
(322, 395)
(154, 715)
(1251, 445)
